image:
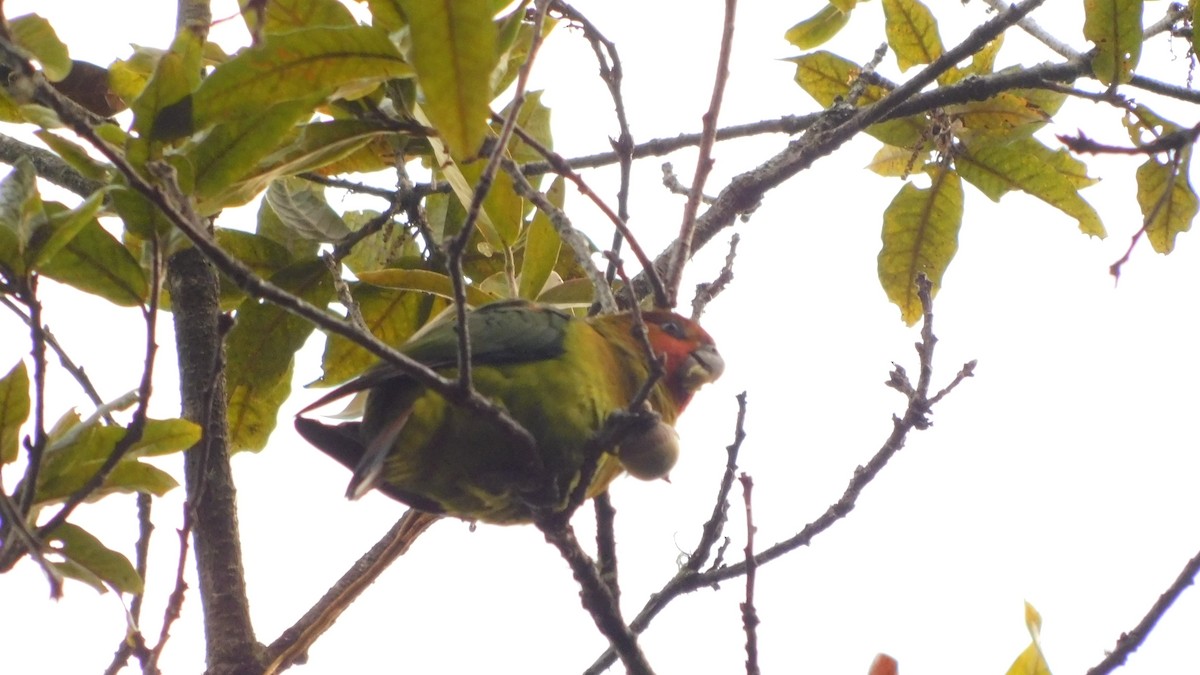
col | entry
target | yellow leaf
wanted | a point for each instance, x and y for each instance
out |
(1167, 200)
(422, 280)
(1115, 26)
(1000, 117)
(828, 77)
(899, 162)
(1027, 165)
(911, 32)
(920, 236)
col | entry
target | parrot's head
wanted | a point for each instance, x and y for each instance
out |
(691, 357)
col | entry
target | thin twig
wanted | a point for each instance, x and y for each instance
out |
(174, 608)
(294, 642)
(750, 619)
(704, 163)
(915, 417)
(708, 291)
(1129, 642)
(595, 595)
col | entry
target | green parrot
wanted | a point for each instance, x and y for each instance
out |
(557, 375)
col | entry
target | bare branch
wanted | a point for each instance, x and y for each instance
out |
(291, 646)
(704, 163)
(1129, 642)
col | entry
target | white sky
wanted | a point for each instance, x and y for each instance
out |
(1063, 473)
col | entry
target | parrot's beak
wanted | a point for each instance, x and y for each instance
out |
(703, 365)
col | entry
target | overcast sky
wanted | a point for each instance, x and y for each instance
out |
(1062, 474)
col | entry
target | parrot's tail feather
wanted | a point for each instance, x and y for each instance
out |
(370, 466)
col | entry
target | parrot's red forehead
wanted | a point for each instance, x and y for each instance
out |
(666, 327)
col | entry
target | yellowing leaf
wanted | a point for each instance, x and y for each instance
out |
(94, 262)
(260, 352)
(279, 16)
(818, 28)
(1027, 165)
(890, 160)
(1001, 117)
(14, 408)
(391, 315)
(35, 34)
(828, 77)
(911, 32)
(162, 109)
(542, 245)
(1115, 26)
(1031, 661)
(454, 53)
(81, 548)
(426, 281)
(920, 236)
(297, 65)
(1167, 200)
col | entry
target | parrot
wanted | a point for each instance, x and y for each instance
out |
(559, 376)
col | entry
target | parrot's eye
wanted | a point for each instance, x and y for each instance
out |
(672, 328)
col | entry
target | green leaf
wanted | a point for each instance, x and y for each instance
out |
(1027, 165)
(80, 547)
(141, 217)
(818, 28)
(302, 208)
(534, 119)
(542, 244)
(37, 35)
(1192, 5)
(230, 151)
(76, 457)
(1167, 200)
(426, 281)
(912, 32)
(261, 254)
(570, 293)
(94, 262)
(162, 108)
(386, 14)
(75, 155)
(63, 226)
(311, 147)
(516, 37)
(1115, 26)
(21, 215)
(260, 351)
(271, 227)
(163, 437)
(920, 236)
(14, 408)
(280, 16)
(391, 315)
(828, 77)
(385, 248)
(298, 65)
(454, 54)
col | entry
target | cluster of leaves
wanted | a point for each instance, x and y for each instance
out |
(988, 143)
(317, 94)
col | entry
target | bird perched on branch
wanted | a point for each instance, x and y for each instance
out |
(558, 376)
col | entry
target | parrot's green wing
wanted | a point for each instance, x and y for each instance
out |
(501, 333)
